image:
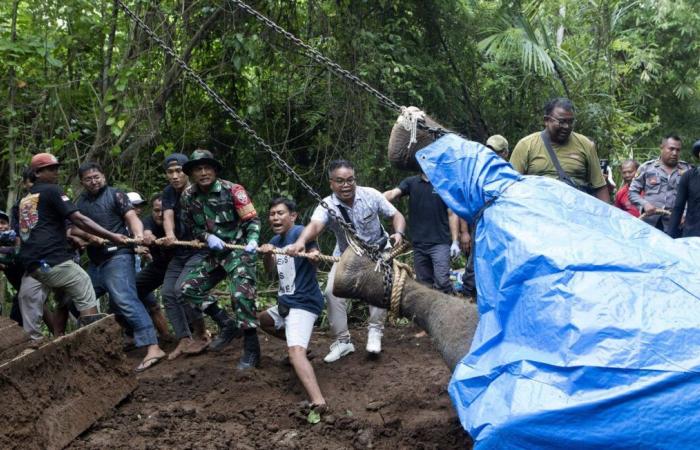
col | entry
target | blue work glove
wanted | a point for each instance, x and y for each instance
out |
(454, 249)
(214, 242)
(251, 247)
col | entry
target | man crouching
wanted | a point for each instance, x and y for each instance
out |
(299, 298)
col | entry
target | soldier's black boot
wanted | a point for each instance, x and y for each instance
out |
(251, 350)
(228, 331)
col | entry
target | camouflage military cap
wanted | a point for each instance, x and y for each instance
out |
(199, 157)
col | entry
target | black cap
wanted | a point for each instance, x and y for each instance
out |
(176, 158)
(696, 148)
(3, 215)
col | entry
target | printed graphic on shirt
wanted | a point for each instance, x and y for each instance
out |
(286, 272)
(28, 215)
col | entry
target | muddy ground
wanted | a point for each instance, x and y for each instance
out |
(398, 400)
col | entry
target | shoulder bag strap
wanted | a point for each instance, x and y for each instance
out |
(346, 217)
(553, 156)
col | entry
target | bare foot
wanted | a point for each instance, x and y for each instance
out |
(197, 345)
(420, 335)
(180, 349)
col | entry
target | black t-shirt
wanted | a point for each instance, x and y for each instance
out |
(14, 216)
(107, 208)
(171, 200)
(688, 194)
(42, 226)
(161, 255)
(427, 213)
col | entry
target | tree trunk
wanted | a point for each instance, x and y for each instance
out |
(11, 129)
(450, 321)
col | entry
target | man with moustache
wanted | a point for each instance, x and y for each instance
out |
(220, 212)
(111, 268)
(658, 179)
(576, 154)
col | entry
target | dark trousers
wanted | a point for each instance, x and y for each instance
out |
(13, 273)
(432, 265)
(180, 313)
(148, 280)
(468, 279)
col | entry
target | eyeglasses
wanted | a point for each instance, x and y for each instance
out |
(343, 181)
(562, 122)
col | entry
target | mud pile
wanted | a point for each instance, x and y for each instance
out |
(398, 400)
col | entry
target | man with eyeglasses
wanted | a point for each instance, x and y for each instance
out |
(575, 152)
(362, 208)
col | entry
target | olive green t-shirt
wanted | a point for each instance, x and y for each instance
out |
(577, 157)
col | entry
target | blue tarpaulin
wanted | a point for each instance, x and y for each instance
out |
(589, 331)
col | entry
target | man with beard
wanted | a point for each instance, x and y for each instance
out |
(574, 153)
(658, 179)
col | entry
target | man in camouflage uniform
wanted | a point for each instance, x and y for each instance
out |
(655, 185)
(220, 212)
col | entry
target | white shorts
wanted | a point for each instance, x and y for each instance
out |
(298, 325)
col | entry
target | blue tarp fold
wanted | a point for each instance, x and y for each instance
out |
(589, 332)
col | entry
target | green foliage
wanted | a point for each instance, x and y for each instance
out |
(88, 84)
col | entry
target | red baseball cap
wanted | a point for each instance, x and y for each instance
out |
(41, 160)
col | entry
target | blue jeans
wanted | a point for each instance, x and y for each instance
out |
(117, 277)
(432, 265)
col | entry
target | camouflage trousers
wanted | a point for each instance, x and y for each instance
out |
(236, 266)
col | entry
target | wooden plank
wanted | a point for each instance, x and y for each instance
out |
(51, 395)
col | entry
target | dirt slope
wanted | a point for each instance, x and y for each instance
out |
(396, 401)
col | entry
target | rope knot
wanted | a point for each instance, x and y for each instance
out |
(409, 121)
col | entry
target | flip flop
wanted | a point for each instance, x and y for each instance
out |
(148, 363)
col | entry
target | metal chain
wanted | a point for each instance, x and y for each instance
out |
(374, 253)
(318, 57)
(334, 67)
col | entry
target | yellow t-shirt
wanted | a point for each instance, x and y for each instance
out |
(577, 157)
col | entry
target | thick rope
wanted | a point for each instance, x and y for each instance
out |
(401, 272)
(374, 254)
(198, 244)
(409, 121)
